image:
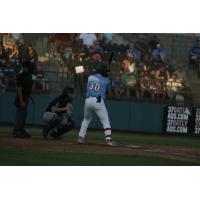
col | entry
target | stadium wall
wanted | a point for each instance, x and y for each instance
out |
(126, 115)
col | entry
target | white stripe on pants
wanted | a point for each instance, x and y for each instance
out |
(91, 105)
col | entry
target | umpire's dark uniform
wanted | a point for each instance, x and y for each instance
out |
(24, 88)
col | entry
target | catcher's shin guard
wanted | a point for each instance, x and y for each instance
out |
(48, 127)
(66, 128)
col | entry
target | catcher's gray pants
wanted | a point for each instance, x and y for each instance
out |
(20, 120)
(91, 105)
(50, 117)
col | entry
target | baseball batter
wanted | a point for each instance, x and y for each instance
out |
(97, 86)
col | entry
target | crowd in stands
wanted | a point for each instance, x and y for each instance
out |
(13, 51)
(140, 70)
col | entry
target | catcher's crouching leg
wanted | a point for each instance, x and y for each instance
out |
(51, 121)
(64, 129)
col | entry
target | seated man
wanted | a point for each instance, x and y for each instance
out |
(133, 52)
(40, 81)
(161, 76)
(159, 51)
(131, 83)
(58, 115)
(173, 86)
(118, 86)
(147, 86)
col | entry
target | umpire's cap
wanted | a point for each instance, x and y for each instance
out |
(67, 91)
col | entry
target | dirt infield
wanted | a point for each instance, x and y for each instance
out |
(96, 147)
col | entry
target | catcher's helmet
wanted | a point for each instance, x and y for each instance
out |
(67, 91)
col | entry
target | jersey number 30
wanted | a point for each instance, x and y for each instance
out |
(94, 86)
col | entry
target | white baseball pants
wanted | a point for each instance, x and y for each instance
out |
(91, 105)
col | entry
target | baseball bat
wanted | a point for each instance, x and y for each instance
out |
(110, 58)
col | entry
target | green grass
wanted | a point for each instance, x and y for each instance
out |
(123, 137)
(26, 157)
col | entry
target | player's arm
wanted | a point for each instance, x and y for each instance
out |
(19, 94)
(19, 91)
(69, 109)
(56, 109)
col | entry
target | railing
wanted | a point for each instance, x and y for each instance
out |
(58, 80)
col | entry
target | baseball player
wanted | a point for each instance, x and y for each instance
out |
(97, 86)
(58, 115)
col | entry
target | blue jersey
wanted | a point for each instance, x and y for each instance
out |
(97, 85)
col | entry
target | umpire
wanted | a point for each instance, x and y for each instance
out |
(24, 89)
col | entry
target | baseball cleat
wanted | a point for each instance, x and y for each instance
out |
(55, 136)
(26, 134)
(81, 140)
(109, 143)
(45, 132)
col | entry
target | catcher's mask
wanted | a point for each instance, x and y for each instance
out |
(67, 92)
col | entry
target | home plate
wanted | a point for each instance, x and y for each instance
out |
(154, 150)
(133, 146)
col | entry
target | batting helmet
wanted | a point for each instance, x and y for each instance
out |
(103, 70)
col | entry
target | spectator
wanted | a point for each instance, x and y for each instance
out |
(8, 42)
(133, 53)
(142, 47)
(1, 38)
(67, 52)
(173, 86)
(153, 42)
(88, 39)
(15, 53)
(157, 62)
(40, 81)
(159, 51)
(195, 50)
(161, 77)
(18, 37)
(152, 45)
(96, 48)
(147, 86)
(32, 56)
(2, 52)
(181, 75)
(108, 37)
(129, 65)
(162, 73)
(96, 57)
(118, 86)
(131, 84)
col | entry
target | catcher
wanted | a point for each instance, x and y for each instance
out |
(58, 115)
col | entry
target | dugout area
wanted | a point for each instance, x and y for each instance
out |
(130, 150)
